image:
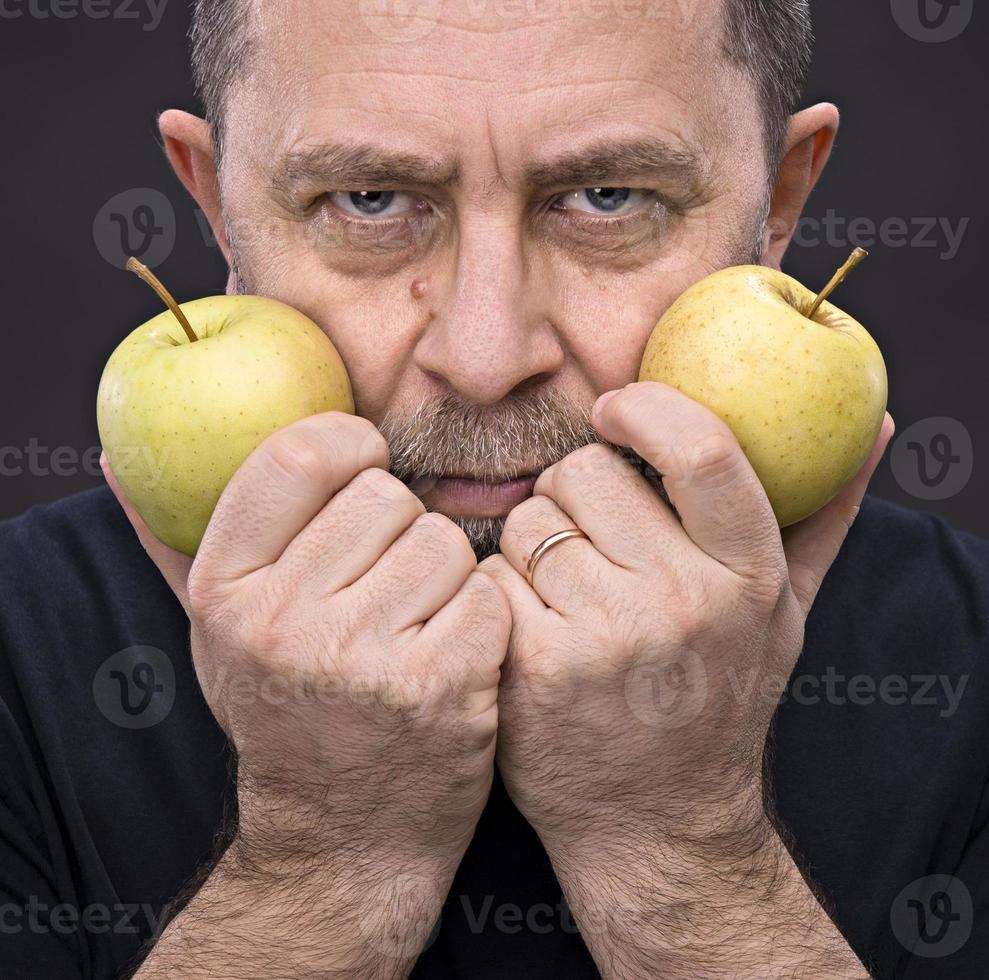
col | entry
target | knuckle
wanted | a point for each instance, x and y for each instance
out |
(714, 459)
(487, 596)
(262, 631)
(588, 461)
(382, 485)
(525, 518)
(296, 454)
(442, 539)
(372, 447)
(691, 609)
(776, 585)
(204, 594)
(314, 444)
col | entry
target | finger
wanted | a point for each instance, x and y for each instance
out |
(722, 505)
(526, 606)
(812, 545)
(471, 635)
(528, 612)
(173, 565)
(344, 540)
(418, 575)
(282, 486)
(568, 575)
(625, 518)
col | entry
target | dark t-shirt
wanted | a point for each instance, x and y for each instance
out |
(115, 779)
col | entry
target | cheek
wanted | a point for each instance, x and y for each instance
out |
(606, 310)
(373, 324)
(605, 319)
(375, 327)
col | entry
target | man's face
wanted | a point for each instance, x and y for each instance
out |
(448, 198)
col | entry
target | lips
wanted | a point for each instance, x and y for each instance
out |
(476, 498)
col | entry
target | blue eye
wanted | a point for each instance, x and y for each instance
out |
(607, 198)
(370, 204)
(598, 200)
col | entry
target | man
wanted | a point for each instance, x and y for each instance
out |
(453, 760)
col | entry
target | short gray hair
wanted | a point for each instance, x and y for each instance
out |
(771, 39)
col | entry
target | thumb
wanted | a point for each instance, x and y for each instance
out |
(173, 565)
(812, 545)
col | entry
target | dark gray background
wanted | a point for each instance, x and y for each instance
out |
(80, 98)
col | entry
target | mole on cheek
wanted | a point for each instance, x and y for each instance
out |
(418, 288)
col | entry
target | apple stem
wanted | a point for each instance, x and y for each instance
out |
(140, 269)
(836, 280)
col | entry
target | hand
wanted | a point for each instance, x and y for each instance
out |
(351, 651)
(622, 739)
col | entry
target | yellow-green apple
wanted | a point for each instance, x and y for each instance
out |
(800, 383)
(187, 397)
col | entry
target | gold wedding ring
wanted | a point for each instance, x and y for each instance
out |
(544, 546)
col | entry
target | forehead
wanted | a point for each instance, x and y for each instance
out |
(491, 79)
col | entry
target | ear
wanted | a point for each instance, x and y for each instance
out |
(808, 146)
(189, 148)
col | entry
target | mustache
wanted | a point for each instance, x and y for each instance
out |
(521, 435)
(518, 436)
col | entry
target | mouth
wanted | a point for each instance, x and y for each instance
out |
(470, 497)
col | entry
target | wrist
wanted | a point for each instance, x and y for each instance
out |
(718, 897)
(336, 915)
(728, 830)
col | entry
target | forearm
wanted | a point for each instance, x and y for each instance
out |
(300, 922)
(730, 908)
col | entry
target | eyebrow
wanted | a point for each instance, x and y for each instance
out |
(367, 165)
(359, 166)
(610, 159)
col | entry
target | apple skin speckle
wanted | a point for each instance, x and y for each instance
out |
(737, 336)
(269, 366)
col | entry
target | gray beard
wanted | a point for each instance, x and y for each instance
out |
(521, 434)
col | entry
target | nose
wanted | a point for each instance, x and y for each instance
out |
(489, 332)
